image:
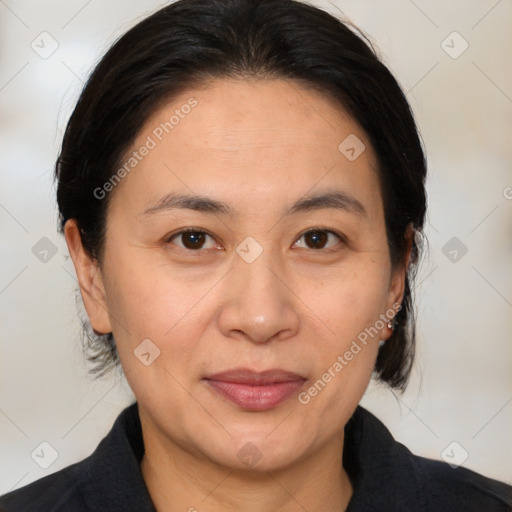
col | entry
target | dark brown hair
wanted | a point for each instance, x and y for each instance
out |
(190, 41)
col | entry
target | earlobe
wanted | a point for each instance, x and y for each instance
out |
(89, 278)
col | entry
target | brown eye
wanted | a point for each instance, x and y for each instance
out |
(317, 239)
(191, 239)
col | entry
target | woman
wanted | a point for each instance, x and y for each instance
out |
(241, 188)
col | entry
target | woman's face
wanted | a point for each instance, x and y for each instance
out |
(287, 272)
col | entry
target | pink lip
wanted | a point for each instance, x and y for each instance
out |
(256, 391)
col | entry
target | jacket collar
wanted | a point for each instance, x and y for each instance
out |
(383, 472)
(113, 474)
(371, 456)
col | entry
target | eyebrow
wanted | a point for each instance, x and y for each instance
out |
(339, 200)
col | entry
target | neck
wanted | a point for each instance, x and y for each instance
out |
(178, 480)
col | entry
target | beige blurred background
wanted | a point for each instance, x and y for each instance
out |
(452, 58)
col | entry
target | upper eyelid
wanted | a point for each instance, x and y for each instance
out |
(319, 228)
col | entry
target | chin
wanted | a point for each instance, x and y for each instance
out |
(258, 453)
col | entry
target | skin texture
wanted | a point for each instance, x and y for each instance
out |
(258, 146)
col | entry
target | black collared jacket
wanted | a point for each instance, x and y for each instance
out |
(385, 476)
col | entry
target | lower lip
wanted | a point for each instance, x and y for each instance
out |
(256, 398)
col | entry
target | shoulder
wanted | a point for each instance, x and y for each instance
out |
(58, 492)
(459, 488)
(388, 476)
(109, 479)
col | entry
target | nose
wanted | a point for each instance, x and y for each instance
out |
(258, 305)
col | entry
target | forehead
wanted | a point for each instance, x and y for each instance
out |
(233, 111)
(242, 139)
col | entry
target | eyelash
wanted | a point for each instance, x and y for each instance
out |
(341, 237)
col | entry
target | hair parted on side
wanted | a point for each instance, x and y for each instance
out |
(191, 41)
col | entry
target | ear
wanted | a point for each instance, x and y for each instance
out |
(398, 278)
(89, 278)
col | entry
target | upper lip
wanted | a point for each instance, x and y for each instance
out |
(251, 377)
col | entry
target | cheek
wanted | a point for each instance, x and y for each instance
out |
(349, 300)
(344, 360)
(349, 305)
(149, 301)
